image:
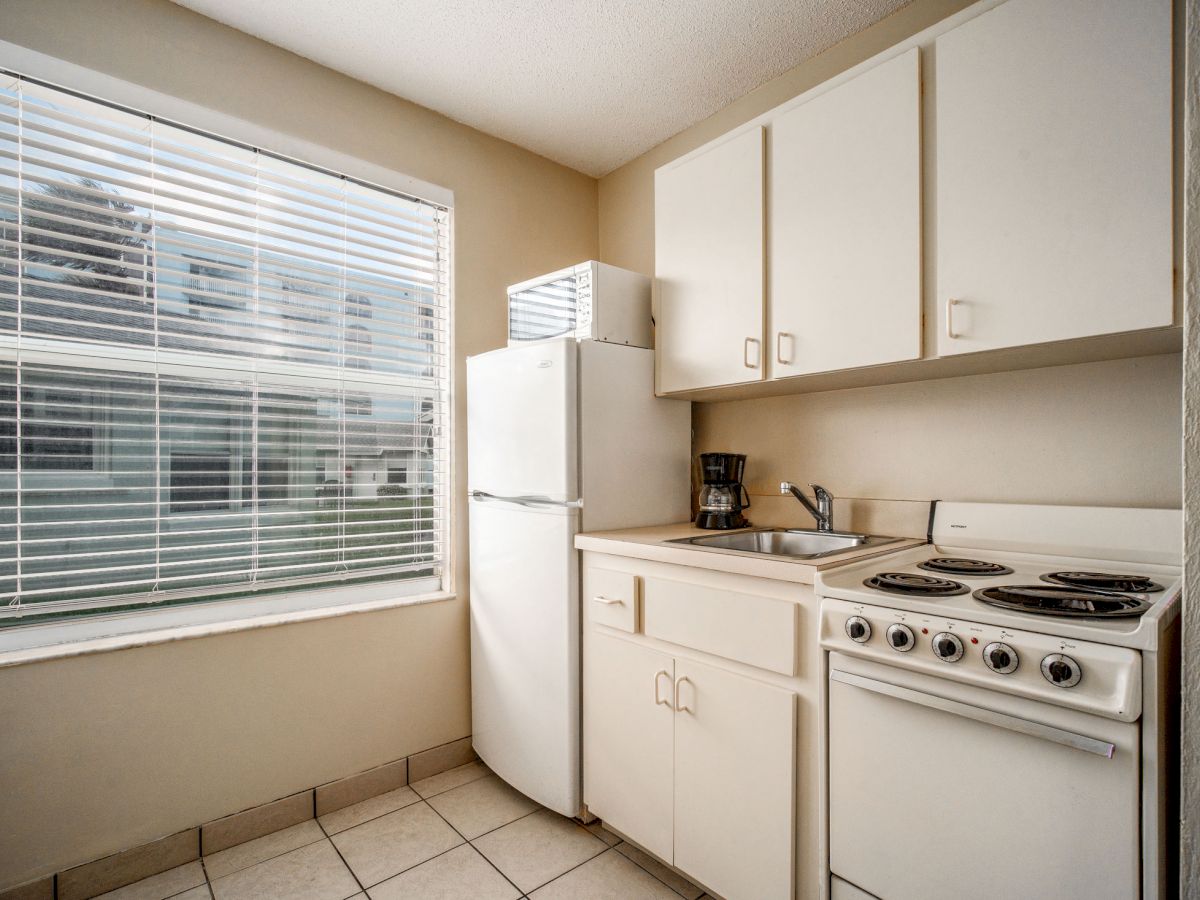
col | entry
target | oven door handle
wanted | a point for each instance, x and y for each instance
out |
(987, 716)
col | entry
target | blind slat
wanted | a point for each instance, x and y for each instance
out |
(219, 370)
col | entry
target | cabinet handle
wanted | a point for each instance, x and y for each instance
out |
(746, 353)
(779, 348)
(679, 707)
(608, 601)
(661, 673)
(951, 302)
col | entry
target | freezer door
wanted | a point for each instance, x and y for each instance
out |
(521, 421)
(525, 658)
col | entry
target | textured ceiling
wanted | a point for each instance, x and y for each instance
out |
(588, 83)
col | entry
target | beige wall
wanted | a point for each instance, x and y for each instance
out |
(1103, 433)
(110, 750)
(101, 753)
(1042, 435)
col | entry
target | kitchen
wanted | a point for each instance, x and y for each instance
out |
(1074, 410)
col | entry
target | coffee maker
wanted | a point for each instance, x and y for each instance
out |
(722, 494)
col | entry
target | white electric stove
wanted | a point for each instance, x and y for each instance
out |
(999, 713)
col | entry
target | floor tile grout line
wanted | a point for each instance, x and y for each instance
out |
(266, 858)
(361, 887)
(556, 877)
(419, 799)
(208, 881)
(651, 874)
(505, 825)
(574, 867)
(414, 865)
(486, 772)
(185, 890)
(373, 818)
(469, 842)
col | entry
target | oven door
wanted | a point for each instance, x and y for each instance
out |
(943, 790)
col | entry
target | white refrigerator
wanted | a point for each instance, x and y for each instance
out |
(562, 437)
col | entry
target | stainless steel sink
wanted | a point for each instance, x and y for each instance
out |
(784, 542)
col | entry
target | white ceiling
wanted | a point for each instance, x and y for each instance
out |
(588, 83)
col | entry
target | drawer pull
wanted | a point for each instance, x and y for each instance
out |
(950, 332)
(779, 358)
(679, 706)
(757, 353)
(658, 700)
(609, 601)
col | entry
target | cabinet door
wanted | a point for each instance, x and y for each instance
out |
(1053, 173)
(735, 769)
(708, 264)
(845, 227)
(627, 739)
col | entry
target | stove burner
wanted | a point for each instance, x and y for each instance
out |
(955, 565)
(1102, 581)
(1051, 600)
(915, 585)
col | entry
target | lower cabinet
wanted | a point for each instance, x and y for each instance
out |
(734, 782)
(629, 739)
(693, 762)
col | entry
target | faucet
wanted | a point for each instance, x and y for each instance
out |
(822, 512)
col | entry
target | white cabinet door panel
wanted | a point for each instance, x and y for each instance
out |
(628, 738)
(845, 225)
(708, 266)
(735, 782)
(1053, 173)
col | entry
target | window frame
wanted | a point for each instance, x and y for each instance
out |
(300, 601)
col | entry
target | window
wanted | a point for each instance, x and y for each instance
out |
(221, 372)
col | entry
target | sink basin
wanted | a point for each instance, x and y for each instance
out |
(790, 543)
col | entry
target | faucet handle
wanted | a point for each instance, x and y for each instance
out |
(820, 493)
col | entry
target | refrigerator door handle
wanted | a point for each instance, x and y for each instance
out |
(527, 500)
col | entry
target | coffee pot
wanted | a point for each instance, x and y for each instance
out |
(722, 495)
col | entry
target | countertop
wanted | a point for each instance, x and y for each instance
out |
(652, 544)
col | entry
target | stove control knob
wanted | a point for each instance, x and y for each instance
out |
(858, 629)
(1061, 671)
(900, 637)
(947, 647)
(1000, 658)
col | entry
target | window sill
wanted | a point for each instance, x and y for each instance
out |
(67, 639)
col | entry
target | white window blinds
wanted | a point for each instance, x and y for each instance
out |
(220, 371)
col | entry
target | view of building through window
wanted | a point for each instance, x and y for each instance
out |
(219, 371)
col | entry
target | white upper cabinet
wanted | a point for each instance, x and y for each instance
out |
(708, 260)
(845, 225)
(1053, 173)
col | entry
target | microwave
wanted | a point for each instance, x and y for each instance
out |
(591, 301)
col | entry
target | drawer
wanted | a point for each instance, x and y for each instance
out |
(611, 598)
(759, 631)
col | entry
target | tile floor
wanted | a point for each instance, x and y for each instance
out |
(461, 834)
